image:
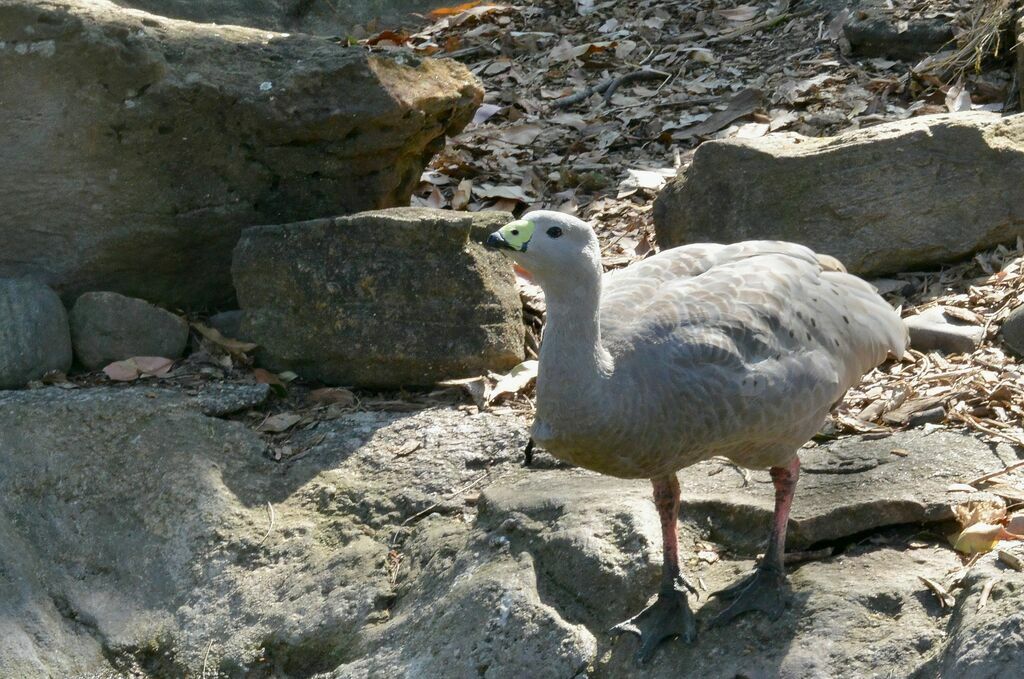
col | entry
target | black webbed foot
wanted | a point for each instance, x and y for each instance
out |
(763, 590)
(668, 617)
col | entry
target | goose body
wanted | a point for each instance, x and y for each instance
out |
(734, 350)
(702, 350)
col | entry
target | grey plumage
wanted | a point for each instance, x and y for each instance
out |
(702, 350)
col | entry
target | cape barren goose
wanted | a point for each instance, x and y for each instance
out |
(702, 350)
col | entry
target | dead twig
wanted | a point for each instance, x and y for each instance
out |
(270, 528)
(757, 26)
(608, 86)
(998, 472)
(206, 657)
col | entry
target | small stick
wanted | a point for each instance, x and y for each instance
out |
(205, 658)
(270, 528)
(985, 591)
(608, 86)
(644, 74)
(998, 472)
(757, 26)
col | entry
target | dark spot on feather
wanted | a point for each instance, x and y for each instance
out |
(814, 324)
(791, 333)
(846, 320)
(808, 335)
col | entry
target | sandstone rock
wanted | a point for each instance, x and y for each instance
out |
(170, 137)
(985, 642)
(318, 18)
(397, 297)
(107, 327)
(882, 199)
(876, 32)
(136, 531)
(227, 323)
(595, 543)
(486, 599)
(34, 337)
(1012, 330)
(847, 487)
(135, 539)
(933, 331)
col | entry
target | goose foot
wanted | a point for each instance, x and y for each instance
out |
(668, 617)
(763, 590)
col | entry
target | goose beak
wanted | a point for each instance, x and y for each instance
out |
(513, 236)
(498, 242)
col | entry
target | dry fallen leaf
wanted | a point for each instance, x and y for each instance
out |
(408, 448)
(278, 423)
(232, 346)
(515, 381)
(138, 366)
(980, 537)
(946, 600)
(332, 395)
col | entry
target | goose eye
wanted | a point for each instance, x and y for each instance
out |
(515, 232)
(555, 232)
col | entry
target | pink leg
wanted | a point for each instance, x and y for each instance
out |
(784, 479)
(763, 590)
(669, 616)
(666, 500)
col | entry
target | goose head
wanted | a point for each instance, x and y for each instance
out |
(555, 248)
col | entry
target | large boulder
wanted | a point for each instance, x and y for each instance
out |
(917, 192)
(399, 297)
(307, 16)
(136, 148)
(34, 335)
(139, 537)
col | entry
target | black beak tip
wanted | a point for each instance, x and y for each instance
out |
(496, 241)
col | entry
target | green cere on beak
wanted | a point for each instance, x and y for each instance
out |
(517, 234)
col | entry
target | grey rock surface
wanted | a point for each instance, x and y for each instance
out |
(318, 18)
(1012, 330)
(391, 298)
(136, 538)
(34, 336)
(875, 30)
(932, 330)
(171, 137)
(883, 199)
(847, 487)
(227, 323)
(986, 641)
(106, 327)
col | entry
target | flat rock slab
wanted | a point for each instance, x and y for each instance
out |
(934, 331)
(34, 335)
(913, 193)
(847, 487)
(595, 544)
(171, 137)
(391, 298)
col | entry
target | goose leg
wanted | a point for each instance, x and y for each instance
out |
(670, 615)
(764, 589)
